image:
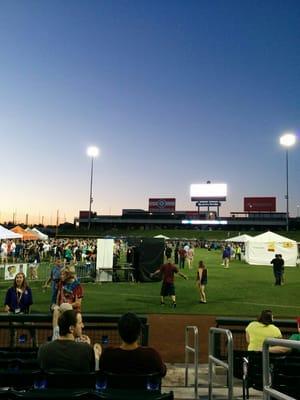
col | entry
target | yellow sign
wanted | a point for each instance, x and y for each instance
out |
(271, 246)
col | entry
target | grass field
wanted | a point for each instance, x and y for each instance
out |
(242, 290)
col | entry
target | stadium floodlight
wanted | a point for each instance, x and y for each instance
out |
(92, 152)
(287, 140)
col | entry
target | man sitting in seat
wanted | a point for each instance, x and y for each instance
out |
(64, 353)
(130, 357)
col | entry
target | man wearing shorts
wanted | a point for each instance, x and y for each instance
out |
(168, 271)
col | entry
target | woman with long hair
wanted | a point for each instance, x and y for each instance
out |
(258, 331)
(201, 279)
(18, 298)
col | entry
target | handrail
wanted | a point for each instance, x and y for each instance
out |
(194, 350)
(267, 390)
(212, 360)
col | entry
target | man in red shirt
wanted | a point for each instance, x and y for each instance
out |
(168, 271)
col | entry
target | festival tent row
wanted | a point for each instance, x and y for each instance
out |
(261, 249)
(7, 234)
(19, 233)
(24, 234)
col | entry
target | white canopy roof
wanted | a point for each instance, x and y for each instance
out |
(161, 237)
(239, 239)
(7, 234)
(39, 234)
(271, 237)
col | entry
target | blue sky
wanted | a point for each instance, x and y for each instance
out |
(173, 93)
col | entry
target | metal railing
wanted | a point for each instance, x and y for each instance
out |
(213, 360)
(267, 390)
(192, 350)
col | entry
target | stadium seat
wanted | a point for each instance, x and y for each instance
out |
(248, 366)
(68, 394)
(111, 380)
(122, 394)
(286, 376)
(54, 394)
(71, 380)
(18, 379)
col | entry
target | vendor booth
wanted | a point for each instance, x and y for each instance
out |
(261, 249)
(39, 234)
(25, 235)
(7, 234)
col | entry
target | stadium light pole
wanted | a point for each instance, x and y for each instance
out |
(92, 152)
(287, 140)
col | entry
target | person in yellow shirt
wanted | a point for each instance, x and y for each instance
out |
(258, 331)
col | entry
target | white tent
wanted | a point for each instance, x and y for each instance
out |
(39, 234)
(161, 237)
(261, 249)
(7, 234)
(239, 239)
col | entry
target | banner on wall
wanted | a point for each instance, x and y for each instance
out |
(11, 270)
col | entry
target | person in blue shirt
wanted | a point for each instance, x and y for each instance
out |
(226, 256)
(54, 280)
(18, 298)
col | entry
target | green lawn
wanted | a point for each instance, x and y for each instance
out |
(242, 290)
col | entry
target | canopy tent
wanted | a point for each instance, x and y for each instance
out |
(7, 234)
(161, 237)
(25, 235)
(261, 249)
(39, 234)
(239, 239)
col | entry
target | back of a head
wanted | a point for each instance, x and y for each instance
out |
(67, 319)
(129, 328)
(266, 317)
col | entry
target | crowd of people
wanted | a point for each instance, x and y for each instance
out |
(32, 251)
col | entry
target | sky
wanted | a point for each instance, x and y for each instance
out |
(172, 92)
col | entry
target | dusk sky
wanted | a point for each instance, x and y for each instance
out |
(172, 92)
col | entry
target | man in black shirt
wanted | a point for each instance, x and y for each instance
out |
(278, 266)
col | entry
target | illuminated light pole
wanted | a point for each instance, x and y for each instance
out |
(92, 152)
(287, 140)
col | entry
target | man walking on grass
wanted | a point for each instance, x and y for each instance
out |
(168, 271)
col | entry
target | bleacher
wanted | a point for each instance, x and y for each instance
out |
(20, 376)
